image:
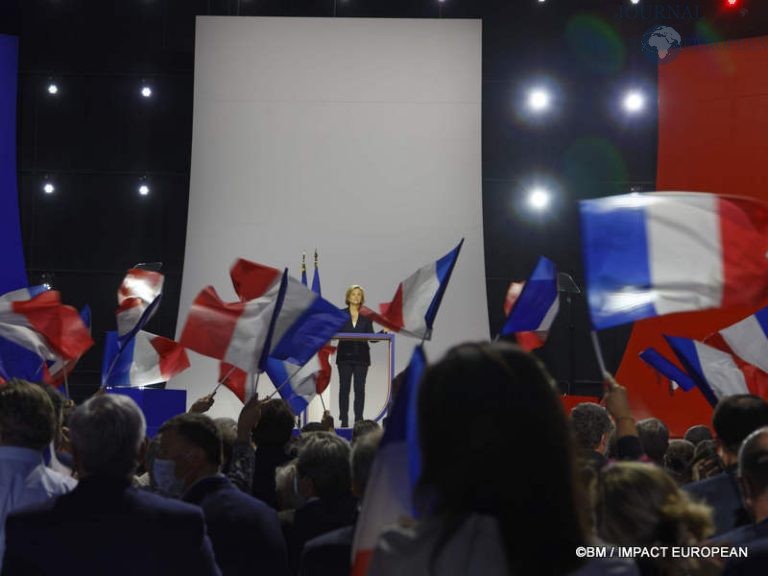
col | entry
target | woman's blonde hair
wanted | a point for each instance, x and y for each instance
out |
(349, 291)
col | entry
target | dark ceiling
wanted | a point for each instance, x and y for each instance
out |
(98, 137)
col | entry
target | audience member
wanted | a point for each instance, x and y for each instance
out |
(638, 504)
(472, 404)
(592, 427)
(706, 462)
(697, 434)
(271, 435)
(734, 418)
(678, 460)
(27, 427)
(105, 526)
(228, 430)
(191, 455)
(654, 438)
(362, 428)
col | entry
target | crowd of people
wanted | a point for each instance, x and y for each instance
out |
(510, 484)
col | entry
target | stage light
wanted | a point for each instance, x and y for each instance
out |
(146, 91)
(732, 3)
(635, 1)
(49, 188)
(143, 189)
(634, 101)
(53, 88)
(539, 99)
(539, 199)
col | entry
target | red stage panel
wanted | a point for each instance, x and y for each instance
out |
(713, 137)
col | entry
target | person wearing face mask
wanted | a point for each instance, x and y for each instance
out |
(245, 531)
(106, 526)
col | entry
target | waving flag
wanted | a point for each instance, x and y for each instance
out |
(413, 309)
(395, 471)
(535, 307)
(56, 373)
(144, 359)
(747, 339)
(667, 368)
(299, 385)
(24, 293)
(137, 300)
(238, 333)
(234, 379)
(717, 373)
(46, 326)
(304, 323)
(653, 254)
(316, 279)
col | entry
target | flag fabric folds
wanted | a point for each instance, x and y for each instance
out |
(667, 368)
(316, 288)
(238, 333)
(657, 253)
(747, 339)
(137, 300)
(304, 323)
(535, 306)
(56, 373)
(395, 471)
(234, 379)
(717, 373)
(417, 299)
(45, 326)
(143, 360)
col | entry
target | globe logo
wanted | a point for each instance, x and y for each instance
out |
(662, 43)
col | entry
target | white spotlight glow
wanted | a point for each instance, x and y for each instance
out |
(635, 1)
(539, 99)
(146, 91)
(538, 199)
(634, 101)
(143, 189)
(53, 88)
(49, 188)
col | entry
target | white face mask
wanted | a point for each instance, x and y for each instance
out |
(164, 473)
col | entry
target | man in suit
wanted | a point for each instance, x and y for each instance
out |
(245, 531)
(734, 418)
(105, 526)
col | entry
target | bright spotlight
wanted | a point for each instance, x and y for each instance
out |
(634, 102)
(49, 188)
(539, 99)
(53, 88)
(538, 199)
(635, 1)
(146, 91)
(143, 189)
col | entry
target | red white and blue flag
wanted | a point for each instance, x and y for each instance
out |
(238, 333)
(299, 385)
(417, 299)
(717, 373)
(145, 359)
(137, 300)
(677, 376)
(45, 326)
(534, 307)
(657, 253)
(747, 339)
(395, 471)
(56, 373)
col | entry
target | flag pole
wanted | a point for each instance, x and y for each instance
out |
(222, 380)
(284, 382)
(599, 354)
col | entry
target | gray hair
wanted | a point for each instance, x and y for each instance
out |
(106, 433)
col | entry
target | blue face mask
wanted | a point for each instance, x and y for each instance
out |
(164, 474)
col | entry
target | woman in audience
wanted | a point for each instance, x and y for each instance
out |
(489, 405)
(641, 505)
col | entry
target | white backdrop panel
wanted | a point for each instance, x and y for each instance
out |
(358, 137)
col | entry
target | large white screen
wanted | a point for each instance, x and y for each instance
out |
(358, 137)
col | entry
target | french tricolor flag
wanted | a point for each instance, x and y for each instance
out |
(24, 293)
(56, 374)
(145, 359)
(717, 373)
(137, 300)
(395, 471)
(45, 326)
(667, 368)
(662, 252)
(747, 339)
(296, 385)
(238, 333)
(534, 307)
(304, 323)
(417, 299)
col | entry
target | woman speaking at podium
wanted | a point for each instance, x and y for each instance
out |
(353, 356)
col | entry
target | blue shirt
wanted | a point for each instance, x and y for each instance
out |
(24, 480)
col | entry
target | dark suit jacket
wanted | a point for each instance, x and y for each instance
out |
(723, 494)
(245, 532)
(355, 351)
(744, 535)
(329, 554)
(104, 526)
